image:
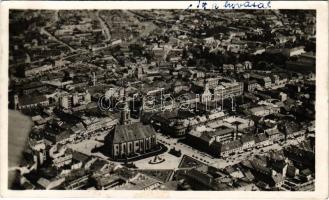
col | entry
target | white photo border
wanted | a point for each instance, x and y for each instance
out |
(321, 175)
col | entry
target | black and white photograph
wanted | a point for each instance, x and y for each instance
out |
(162, 99)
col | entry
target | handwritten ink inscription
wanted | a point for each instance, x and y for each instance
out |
(230, 5)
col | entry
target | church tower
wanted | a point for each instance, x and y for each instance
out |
(125, 113)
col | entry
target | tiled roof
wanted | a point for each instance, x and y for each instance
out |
(80, 156)
(32, 85)
(131, 132)
(28, 100)
(97, 165)
(232, 145)
(260, 138)
(78, 128)
(62, 135)
(223, 131)
(247, 138)
(106, 180)
(277, 178)
(206, 137)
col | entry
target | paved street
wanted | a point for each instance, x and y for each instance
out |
(44, 31)
(105, 28)
(171, 161)
(219, 162)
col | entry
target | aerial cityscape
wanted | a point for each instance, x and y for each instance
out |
(212, 100)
